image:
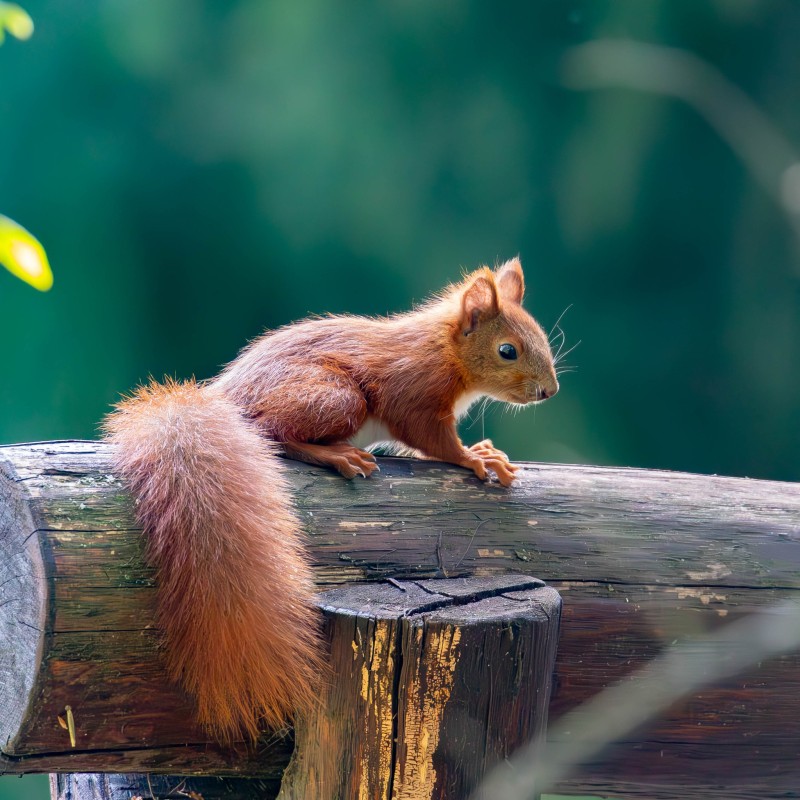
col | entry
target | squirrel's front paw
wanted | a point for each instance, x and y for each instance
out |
(488, 450)
(489, 457)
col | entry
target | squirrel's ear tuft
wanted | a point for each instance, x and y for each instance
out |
(510, 281)
(478, 303)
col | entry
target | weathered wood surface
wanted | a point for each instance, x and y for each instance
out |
(433, 683)
(100, 786)
(641, 558)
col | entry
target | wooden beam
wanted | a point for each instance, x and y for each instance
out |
(641, 558)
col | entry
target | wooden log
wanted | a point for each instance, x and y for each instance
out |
(641, 558)
(432, 683)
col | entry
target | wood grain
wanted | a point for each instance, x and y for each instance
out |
(641, 559)
(127, 786)
(22, 604)
(431, 685)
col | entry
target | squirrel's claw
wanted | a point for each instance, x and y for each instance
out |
(505, 472)
(480, 464)
(350, 461)
(495, 460)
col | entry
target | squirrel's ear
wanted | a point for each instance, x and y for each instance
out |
(510, 281)
(478, 304)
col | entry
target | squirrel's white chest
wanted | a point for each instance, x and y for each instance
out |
(372, 432)
(465, 402)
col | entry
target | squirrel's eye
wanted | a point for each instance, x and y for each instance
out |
(507, 351)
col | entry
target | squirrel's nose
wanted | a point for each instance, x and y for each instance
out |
(546, 392)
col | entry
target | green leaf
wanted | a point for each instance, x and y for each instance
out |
(16, 21)
(22, 255)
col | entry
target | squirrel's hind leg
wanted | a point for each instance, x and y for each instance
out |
(346, 459)
(312, 413)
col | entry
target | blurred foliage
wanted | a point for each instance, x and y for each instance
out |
(16, 21)
(202, 170)
(20, 252)
(27, 787)
(23, 255)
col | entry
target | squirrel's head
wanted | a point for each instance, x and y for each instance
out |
(503, 348)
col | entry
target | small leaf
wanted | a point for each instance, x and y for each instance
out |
(22, 255)
(16, 21)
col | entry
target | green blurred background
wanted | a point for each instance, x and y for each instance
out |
(199, 171)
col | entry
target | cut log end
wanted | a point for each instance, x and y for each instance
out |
(23, 603)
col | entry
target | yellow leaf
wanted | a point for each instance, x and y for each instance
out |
(22, 255)
(16, 21)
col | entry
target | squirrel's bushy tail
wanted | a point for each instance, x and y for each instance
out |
(234, 587)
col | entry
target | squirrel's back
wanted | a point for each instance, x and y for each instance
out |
(234, 588)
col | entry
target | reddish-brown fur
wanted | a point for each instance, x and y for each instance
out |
(233, 583)
(234, 587)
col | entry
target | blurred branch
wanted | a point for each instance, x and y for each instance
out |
(616, 712)
(764, 150)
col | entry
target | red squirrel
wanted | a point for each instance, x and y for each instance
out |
(234, 584)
